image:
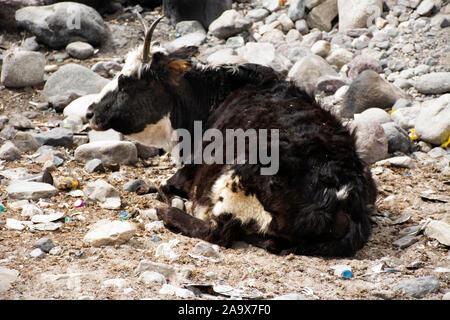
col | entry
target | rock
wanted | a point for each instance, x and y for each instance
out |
(235, 42)
(13, 224)
(274, 36)
(137, 185)
(45, 244)
(110, 152)
(7, 277)
(76, 78)
(271, 5)
(118, 283)
(146, 152)
(433, 83)
(9, 152)
(438, 230)
(60, 101)
(257, 14)
(297, 10)
(330, 84)
(37, 253)
(30, 190)
(286, 22)
(265, 54)
(62, 23)
(433, 122)
(80, 50)
(228, 24)
(203, 11)
(400, 162)
(179, 292)
(57, 137)
(101, 191)
(166, 270)
(206, 249)
(106, 232)
(151, 277)
(358, 13)
(398, 138)
(302, 26)
(156, 226)
(311, 38)
(437, 153)
(47, 218)
(108, 135)
(371, 141)
(22, 68)
(322, 16)
(405, 117)
(418, 287)
(20, 122)
(405, 242)
(308, 70)
(369, 90)
(30, 44)
(165, 250)
(321, 48)
(190, 39)
(339, 57)
(425, 7)
(374, 114)
(106, 67)
(30, 210)
(361, 63)
(190, 26)
(94, 165)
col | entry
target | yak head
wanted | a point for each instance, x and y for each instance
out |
(138, 102)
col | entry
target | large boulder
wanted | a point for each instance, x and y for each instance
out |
(9, 7)
(22, 68)
(369, 90)
(354, 14)
(75, 78)
(205, 11)
(59, 24)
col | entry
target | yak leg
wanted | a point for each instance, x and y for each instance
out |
(177, 185)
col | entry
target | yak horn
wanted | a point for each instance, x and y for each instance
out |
(148, 40)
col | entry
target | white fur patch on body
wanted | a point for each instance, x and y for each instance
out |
(243, 207)
(157, 134)
(342, 193)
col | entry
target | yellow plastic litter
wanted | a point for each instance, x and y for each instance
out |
(412, 135)
(392, 111)
(67, 184)
(445, 144)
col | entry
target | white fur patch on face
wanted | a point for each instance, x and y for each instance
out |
(156, 135)
(243, 207)
(110, 87)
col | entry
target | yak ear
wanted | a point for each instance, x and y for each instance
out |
(177, 68)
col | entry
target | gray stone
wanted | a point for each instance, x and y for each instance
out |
(136, 185)
(76, 78)
(80, 50)
(107, 196)
(274, 36)
(271, 5)
(94, 165)
(45, 244)
(425, 7)
(20, 122)
(321, 48)
(30, 190)
(361, 63)
(438, 230)
(264, 54)
(62, 23)
(285, 22)
(308, 70)
(228, 24)
(371, 141)
(302, 26)
(110, 152)
(106, 232)
(330, 84)
(166, 270)
(322, 16)
(311, 38)
(400, 162)
(189, 26)
(235, 42)
(190, 39)
(339, 57)
(25, 142)
(206, 249)
(405, 117)
(433, 122)
(418, 287)
(152, 277)
(398, 138)
(60, 101)
(257, 14)
(374, 114)
(405, 242)
(369, 90)
(9, 152)
(30, 44)
(433, 83)
(37, 253)
(7, 277)
(358, 13)
(297, 10)
(108, 135)
(22, 68)
(437, 152)
(106, 67)
(57, 137)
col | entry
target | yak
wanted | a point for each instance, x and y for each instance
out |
(319, 200)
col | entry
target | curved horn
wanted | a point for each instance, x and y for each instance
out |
(148, 39)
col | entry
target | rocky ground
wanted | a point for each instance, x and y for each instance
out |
(102, 240)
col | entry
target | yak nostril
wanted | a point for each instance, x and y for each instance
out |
(89, 115)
